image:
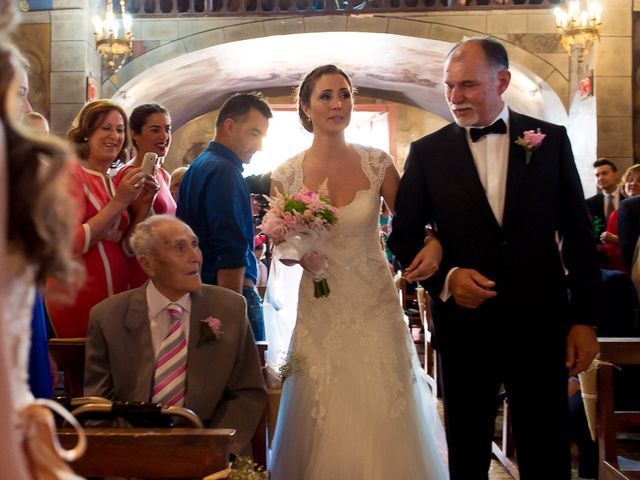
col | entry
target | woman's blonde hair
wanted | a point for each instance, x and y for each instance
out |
(632, 170)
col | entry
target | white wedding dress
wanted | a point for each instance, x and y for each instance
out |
(357, 404)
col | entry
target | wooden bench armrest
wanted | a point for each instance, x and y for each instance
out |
(134, 452)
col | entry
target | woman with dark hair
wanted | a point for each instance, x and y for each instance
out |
(150, 127)
(355, 404)
(39, 239)
(101, 237)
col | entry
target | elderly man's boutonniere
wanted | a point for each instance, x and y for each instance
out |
(530, 141)
(210, 329)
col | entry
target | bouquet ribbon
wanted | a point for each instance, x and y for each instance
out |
(300, 246)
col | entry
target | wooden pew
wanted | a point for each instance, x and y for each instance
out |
(430, 355)
(68, 353)
(152, 453)
(611, 423)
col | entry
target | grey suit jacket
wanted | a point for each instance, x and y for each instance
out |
(225, 386)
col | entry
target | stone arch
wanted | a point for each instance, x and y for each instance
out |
(392, 58)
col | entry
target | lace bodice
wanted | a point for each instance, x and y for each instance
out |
(20, 295)
(357, 231)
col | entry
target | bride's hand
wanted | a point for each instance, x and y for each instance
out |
(426, 262)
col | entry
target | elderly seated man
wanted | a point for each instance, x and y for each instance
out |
(176, 341)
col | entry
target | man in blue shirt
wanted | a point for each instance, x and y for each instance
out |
(214, 201)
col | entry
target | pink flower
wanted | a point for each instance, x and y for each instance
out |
(210, 329)
(274, 227)
(291, 221)
(530, 141)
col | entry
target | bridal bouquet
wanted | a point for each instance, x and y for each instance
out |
(296, 223)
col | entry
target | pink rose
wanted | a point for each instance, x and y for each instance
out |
(533, 139)
(530, 141)
(210, 329)
(215, 324)
(291, 221)
(274, 227)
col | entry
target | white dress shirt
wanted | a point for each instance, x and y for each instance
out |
(159, 318)
(491, 157)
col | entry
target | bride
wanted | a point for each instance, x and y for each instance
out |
(355, 404)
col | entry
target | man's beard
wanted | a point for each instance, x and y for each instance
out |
(468, 120)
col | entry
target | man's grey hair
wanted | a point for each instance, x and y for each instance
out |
(144, 238)
(495, 53)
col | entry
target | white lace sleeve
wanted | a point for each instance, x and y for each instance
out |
(289, 174)
(375, 166)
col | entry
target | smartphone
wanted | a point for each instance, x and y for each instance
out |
(149, 163)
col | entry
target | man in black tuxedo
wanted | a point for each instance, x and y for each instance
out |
(501, 306)
(603, 203)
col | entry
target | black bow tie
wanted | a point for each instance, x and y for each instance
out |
(496, 127)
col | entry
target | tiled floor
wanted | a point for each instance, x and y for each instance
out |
(498, 472)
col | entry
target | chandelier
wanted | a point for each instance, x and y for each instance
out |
(113, 36)
(578, 23)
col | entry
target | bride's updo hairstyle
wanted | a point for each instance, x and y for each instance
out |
(40, 214)
(303, 92)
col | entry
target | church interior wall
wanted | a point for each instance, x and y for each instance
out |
(63, 37)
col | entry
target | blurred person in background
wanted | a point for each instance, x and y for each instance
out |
(176, 178)
(36, 123)
(39, 242)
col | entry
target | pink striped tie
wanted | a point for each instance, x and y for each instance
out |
(169, 380)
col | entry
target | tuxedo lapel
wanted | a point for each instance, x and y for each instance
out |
(517, 167)
(459, 156)
(137, 343)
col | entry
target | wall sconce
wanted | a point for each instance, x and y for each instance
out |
(578, 23)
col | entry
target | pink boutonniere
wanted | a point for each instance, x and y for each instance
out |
(210, 329)
(530, 141)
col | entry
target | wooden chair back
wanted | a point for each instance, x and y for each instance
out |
(68, 353)
(430, 355)
(152, 453)
(612, 423)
